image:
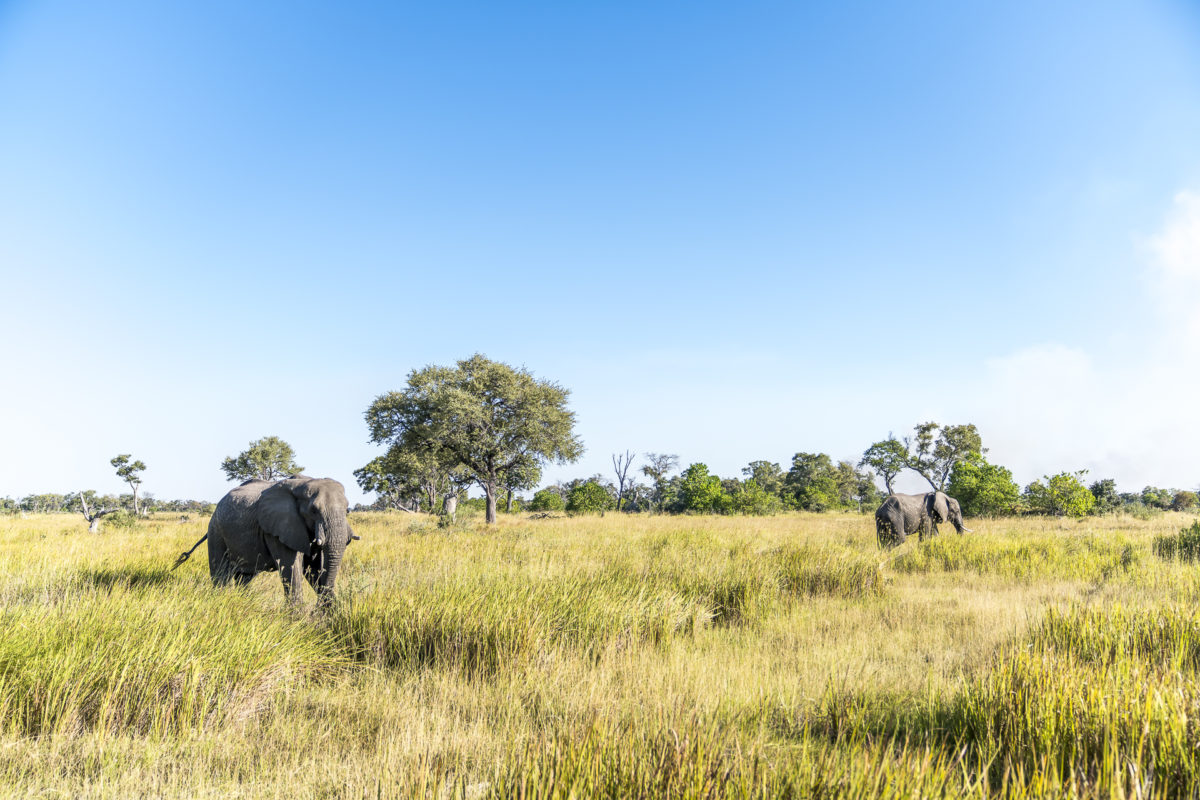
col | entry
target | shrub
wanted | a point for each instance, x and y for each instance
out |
(589, 497)
(546, 500)
(701, 492)
(983, 489)
(1061, 495)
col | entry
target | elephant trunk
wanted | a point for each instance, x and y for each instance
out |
(336, 536)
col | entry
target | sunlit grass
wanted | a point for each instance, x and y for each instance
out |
(607, 656)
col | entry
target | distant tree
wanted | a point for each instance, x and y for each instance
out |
(525, 474)
(266, 459)
(767, 474)
(1154, 497)
(983, 489)
(1107, 499)
(547, 500)
(751, 499)
(934, 450)
(1184, 501)
(811, 484)
(700, 492)
(855, 488)
(489, 416)
(887, 459)
(1063, 494)
(658, 466)
(589, 497)
(621, 464)
(92, 512)
(130, 472)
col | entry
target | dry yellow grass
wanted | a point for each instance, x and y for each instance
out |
(624, 651)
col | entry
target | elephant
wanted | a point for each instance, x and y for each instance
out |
(902, 514)
(295, 526)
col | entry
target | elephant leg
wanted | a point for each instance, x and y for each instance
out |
(313, 567)
(898, 532)
(290, 574)
(220, 568)
(242, 578)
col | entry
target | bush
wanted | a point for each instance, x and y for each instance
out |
(700, 492)
(589, 498)
(983, 489)
(121, 519)
(546, 500)
(750, 498)
(1061, 495)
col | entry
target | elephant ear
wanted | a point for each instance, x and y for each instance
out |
(278, 516)
(940, 507)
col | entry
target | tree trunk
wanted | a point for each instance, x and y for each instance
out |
(508, 502)
(490, 490)
(136, 512)
(94, 527)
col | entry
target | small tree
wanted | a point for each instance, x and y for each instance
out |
(589, 497)
(265, 459)
(811, 484)
(525, 475)
(658, 467)
(92, 512)
(1184, 501)
(983, 489)
(488, 416)
(1107, 499)
(887, 458)
(547, 500)
(130, 472)
(933, 451)
(1063, 494)
(700, 492)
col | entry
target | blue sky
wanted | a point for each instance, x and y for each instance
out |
(734, 231)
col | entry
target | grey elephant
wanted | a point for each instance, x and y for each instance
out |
(902, 514)
(297, 526)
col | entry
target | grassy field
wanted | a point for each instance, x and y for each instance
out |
(612, 657)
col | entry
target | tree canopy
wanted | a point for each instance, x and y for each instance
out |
(267, 458)
(130, 472)
(487, 416)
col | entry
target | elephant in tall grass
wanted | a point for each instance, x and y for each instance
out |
(902, 514)
(295, 526)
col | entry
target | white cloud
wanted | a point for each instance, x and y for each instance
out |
(1130, 416)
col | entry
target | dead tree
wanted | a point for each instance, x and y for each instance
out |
(621, 465)
(93, 516)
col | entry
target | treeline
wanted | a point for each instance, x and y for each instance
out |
(51, 503)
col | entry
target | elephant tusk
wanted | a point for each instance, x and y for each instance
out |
(968, 530)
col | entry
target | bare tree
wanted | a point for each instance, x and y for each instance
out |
(93, 515)
(660, 464)
(621, 465)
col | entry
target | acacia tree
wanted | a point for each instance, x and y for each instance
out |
(129, 471)
(525, 475)
(887, 459)
(265, 459)
(488, 417)
(934, 450)
(656, 470)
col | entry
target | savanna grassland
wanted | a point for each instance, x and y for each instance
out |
(615, 656)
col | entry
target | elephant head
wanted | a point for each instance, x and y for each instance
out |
(943, 508)
(309, 516)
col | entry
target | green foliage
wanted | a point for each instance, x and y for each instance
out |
(121, 519)
(812, 483)
(887, 458)
(266, 459)
(702, 493)
(589, 497)
(1107, 499)
(410, 477)
(658, 466)
(983, 489)
(546, 500)
(933, 450)
(767, 474)
(751, 499)
(1060, 495)
(1182, 546)
(1184, 501)
(1155, 497)
(487, 416)
(130, 472)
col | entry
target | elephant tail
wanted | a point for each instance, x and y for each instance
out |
(185, 556)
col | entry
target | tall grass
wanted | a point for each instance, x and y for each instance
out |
(617, 657)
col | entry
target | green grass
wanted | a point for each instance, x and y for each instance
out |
(608, 657)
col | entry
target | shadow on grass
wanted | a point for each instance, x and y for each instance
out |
(126, 577)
